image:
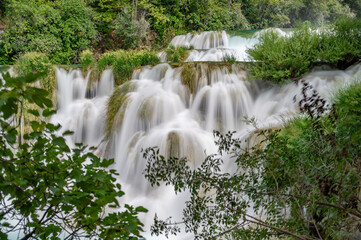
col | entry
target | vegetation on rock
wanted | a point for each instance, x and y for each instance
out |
(176, 54)
(281, 58)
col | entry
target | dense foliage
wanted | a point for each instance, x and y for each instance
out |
(280, 58)
(60, 29)
(47, 189)
(33, 62)
(63, 28)
(301, 182)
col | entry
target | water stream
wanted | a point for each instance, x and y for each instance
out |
(158, 109)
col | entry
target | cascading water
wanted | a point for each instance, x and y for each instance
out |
(217, 46)
(177, 109)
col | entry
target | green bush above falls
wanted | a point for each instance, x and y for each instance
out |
(34, 62)
(281, 58)
(176, 54)
(125, 62)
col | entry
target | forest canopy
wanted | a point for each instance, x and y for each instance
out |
(63, 28)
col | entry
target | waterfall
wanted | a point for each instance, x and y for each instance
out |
(177, 109)
(215, 46)
(81, 105)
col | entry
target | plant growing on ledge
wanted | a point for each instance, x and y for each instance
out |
(282, 58)
(177, 54)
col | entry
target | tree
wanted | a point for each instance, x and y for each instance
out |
(131, 30)
(47, 190)
(300, 182)
(61, 28)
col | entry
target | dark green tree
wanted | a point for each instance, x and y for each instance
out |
(61, 28)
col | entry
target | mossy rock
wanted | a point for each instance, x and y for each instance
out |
(116, 106)
(146, 109)
(173, 145)
(189, 79)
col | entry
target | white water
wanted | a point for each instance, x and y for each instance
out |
(216, 46)
(159, 110)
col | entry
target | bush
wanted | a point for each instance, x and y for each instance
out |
(5, 59)
(87, 59)
(61, 29)
(176, 54)
(125, 62)
(131, 30)
(279, 58)
(341, 45)
(33, 62)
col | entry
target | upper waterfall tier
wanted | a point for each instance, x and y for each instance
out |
(204, 40)
(213, 46)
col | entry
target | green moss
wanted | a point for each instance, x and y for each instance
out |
(146, 109)
(117, 105)
(189, 79)
(173, 145)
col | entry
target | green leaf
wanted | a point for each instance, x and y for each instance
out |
(34, 112)
(141, 209)
(66, 133)
(48, 112)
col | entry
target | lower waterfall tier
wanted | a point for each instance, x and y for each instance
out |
(176, 109)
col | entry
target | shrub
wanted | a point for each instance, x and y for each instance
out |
(125, 62)
(33, 62)
(61, 29)
(280, 58)
(176, 54)
(87, 59)
(133, 31)
(5, 59)
(48, 190)
(229, 58)
(341, 45)
(107, 59)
